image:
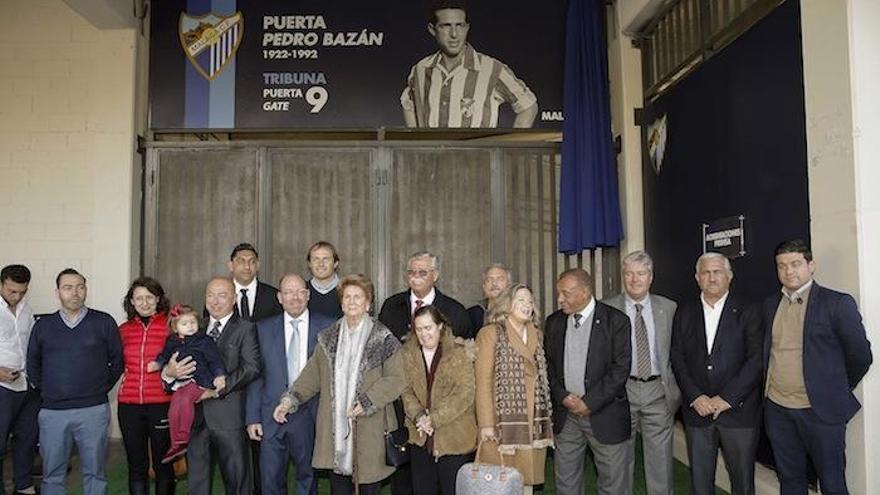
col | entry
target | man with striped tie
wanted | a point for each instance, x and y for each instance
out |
(458, 86)
(652, 390)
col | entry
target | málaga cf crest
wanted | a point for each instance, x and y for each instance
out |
(210, 41)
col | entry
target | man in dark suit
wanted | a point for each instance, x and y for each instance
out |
(716, 357)
(496, 278)
(815, 353)
(587, 344)
(286, 342)
(422, 272)
(651, 389)
(219, 422)
(254, 300)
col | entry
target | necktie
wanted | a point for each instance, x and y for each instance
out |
(244, 307)
(577, 320)
(419, 304)
(214, 332)
(643, 350)
(293, 353)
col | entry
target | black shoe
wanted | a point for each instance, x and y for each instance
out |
(138, 488)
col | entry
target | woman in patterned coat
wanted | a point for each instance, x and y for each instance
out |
(511, 366)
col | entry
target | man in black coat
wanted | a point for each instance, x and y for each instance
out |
(254, 300)
(219, 422)
(716, 358)
(587, 344)
(422, 272)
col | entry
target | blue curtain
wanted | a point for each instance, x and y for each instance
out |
(589, 208)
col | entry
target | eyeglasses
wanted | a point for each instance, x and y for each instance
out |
(418, 273)
(299, 293)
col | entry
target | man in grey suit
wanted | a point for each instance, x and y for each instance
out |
(653, 393)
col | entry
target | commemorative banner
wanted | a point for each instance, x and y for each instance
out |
(306, 64)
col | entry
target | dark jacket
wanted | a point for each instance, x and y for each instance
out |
(477, 314)
(396, 314)
(265, 304)
(203, 352)
(241, 355)
(264, 392)
(732, 370)
(837, 353)
(608, 365)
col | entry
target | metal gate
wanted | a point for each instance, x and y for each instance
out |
(471, 204)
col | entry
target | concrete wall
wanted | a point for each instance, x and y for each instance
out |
(67, 95)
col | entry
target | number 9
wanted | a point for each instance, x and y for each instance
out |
(317, 97)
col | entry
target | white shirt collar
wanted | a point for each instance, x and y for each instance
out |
(428, 299)
(303, 318)
(251, 287)
(794, 296)
(587, 312)
(18, 307)
(645, 301)
(223, 321)
(718, 304)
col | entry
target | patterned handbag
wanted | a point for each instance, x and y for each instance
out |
(476, 478)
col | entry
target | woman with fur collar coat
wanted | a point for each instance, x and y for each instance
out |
(439, 403)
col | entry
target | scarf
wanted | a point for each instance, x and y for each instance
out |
(350, 350)
(511, 406)
(324, 289)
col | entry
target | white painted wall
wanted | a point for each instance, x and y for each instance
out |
(625, 76)
(841, 77)
(864, 79)
(66, 150)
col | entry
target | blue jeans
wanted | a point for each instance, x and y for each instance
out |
(59, 429)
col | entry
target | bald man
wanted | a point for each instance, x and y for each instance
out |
(286, 343)
(219, 423)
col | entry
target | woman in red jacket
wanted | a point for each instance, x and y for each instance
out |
(143, 403)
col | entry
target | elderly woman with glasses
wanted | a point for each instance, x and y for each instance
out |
(357, 373)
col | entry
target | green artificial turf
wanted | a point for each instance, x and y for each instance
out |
(118, 480)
